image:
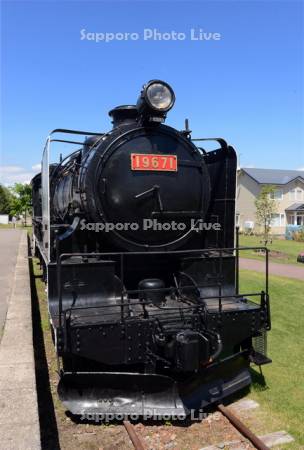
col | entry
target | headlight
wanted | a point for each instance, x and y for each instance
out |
(155, 100)
(160, 96)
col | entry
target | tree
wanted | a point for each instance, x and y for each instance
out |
(22, 199)
(265, 208)
(6, 200)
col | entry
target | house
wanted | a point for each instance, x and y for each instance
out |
(288, 193)
(4, 218)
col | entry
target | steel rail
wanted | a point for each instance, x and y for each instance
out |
(136, 440)
(241, 427)
(235, 422)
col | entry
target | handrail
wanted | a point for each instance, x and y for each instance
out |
(162, 252)
(122, 256)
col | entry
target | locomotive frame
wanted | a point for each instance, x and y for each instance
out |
(217, 330)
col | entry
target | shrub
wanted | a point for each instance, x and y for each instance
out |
(298, 235)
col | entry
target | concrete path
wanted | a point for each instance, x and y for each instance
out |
(9, 243)
(281, 270)
(19, 421)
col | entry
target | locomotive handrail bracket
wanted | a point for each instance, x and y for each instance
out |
(79, 132)
(220, 141)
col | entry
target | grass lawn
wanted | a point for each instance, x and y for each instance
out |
(288, 250)
(10, 225)
(282, 399)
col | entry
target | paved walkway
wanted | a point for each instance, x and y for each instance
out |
(19, 421)
(9, 243)
(281, 270)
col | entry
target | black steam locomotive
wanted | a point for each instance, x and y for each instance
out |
(136, 233)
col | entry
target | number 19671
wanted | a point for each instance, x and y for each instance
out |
(142, 161)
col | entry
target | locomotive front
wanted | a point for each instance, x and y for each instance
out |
(144, 304)
(138, 177)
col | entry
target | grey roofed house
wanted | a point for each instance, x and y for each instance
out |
(288, 195)
(295, 207)
(274, 176)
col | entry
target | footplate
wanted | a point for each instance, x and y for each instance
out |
(259, 359)
(112, 393)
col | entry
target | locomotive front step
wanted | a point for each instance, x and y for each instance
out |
(259, 359)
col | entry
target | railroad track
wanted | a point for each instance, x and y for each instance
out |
(235, 422)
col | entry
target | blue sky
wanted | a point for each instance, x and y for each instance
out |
(246, 87)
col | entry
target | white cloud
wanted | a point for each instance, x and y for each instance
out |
(36, 167)
(300, 168)
(11, 169)
(9, 175)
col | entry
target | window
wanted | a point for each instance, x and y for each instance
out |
(300, 220)
(278, 220)
(275, 220)
(296, 194)
(277, 194)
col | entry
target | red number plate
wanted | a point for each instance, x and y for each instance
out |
(141, 161)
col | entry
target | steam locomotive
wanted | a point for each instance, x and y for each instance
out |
(135, 231)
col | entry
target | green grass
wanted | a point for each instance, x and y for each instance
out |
(289, 250)
(282, 400)
(10, 225)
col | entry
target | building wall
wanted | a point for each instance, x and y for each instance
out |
(4, 219)
(247, 192)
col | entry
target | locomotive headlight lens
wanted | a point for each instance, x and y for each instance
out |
(160, 96)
